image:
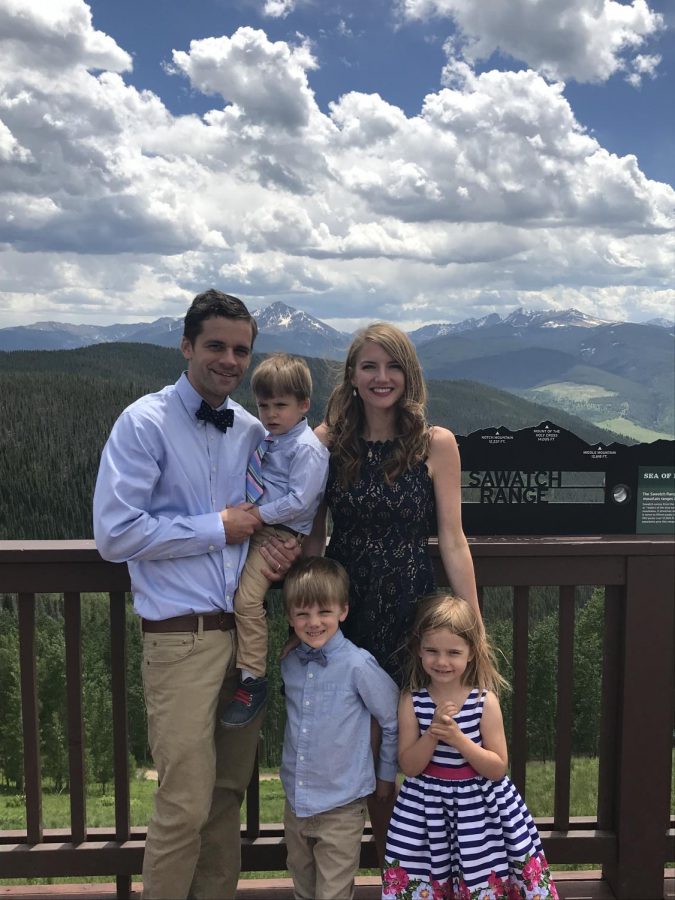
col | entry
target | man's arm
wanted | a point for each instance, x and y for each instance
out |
(125, 525)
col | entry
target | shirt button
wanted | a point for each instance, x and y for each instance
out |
(311, 675)
(301, 783)
(306, 702)
(302, 759)
(304, 731)
(211, 547)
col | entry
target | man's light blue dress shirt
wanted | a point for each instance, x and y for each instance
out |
(327, 759)
(163, 479)
(294, 471)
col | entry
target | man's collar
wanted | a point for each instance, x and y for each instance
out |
(191, 398)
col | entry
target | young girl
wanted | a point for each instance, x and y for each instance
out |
(459, 828)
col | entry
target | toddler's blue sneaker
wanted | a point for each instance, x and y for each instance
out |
(248, 702)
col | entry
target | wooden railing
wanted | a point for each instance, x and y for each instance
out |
(630, 837)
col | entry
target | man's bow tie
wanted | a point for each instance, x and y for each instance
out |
(221, 418)
(316, 654)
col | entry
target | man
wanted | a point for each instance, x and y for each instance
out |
(169, 501)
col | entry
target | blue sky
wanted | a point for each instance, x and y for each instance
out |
(413, 160)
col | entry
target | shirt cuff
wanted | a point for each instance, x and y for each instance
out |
(209, 528)
(387, 771)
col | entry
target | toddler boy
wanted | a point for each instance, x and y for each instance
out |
(287, 477)
(332, 689)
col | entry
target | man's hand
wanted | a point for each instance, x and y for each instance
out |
(239, 523)
(279, 556)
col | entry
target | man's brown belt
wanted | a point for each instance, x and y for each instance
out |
(223, 621)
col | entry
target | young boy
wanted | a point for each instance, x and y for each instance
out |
(332, 689)
(287, 476)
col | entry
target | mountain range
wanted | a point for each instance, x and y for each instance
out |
(618, 375)
(282, 327)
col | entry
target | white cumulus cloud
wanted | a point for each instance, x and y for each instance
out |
(491, 194)
(585, 40)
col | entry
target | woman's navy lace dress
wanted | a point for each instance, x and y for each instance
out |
(380, 535)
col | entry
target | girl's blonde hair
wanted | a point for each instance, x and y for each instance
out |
(345, 417)
(446, 611)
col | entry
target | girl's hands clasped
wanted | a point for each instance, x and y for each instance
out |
(443, 725)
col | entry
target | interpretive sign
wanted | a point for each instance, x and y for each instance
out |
(656, 500)
(546, 480)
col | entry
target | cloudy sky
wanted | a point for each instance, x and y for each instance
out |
(413, 160)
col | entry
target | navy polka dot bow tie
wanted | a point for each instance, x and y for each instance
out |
(316, 654)
(221, 418)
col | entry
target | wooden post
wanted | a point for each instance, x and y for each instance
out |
(645, 730)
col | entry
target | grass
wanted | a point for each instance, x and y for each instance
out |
(101, 806)
(570, 390)
(619, 425)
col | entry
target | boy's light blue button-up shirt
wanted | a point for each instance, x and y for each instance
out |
(294, 471)
(327, 759)
(164, 476)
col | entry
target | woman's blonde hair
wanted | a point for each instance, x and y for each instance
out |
(345, 416)
(447, 611)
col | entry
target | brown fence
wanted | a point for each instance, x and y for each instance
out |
(630, 837)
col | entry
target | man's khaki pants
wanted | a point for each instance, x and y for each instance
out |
(324, 851)
(193, 845)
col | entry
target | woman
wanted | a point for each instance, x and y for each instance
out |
(393, 481)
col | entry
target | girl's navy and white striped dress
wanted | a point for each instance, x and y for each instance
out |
(456, 834)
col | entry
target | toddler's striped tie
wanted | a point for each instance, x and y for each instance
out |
(254, 480)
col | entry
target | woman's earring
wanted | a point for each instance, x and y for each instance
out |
(354, 392)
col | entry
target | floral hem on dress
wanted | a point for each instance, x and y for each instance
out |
(529, 880)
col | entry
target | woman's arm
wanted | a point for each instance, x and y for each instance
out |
(414, 749)
(444, 467)
(315, 542)
(490, 760)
